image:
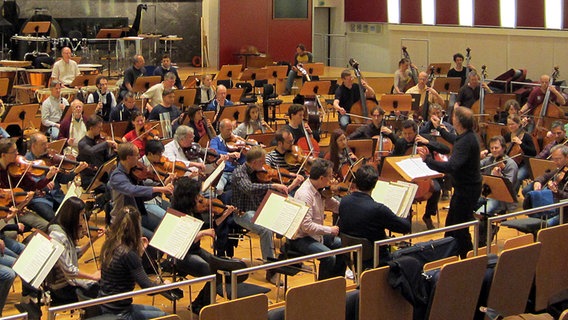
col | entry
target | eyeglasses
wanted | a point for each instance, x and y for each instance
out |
(12, 152)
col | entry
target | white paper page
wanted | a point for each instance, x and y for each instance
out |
(277, 214)
(388, 194)
(48, 265)
(175, 234)
(38, 258)
(416, 168)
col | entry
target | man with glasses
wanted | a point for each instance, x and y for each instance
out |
(174, 150)
(313, 236)
(374, 128)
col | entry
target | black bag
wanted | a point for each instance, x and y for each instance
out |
(406, 276)
(430, 250)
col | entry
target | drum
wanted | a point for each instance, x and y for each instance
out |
(25, 44)
(111, 88)
(67, 93)
(10, 73)
(38, 77)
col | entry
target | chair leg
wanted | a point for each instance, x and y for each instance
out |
(190, 305)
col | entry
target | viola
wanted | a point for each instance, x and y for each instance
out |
(269, 174)
(338, 189)
(296, 157)
(68, 162)
(196, 151)
(36, 168)
(178, 168)
(141, 173)
(217, 206)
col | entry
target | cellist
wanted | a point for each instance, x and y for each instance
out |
(347, 94)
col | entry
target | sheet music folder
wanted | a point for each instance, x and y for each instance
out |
(176, 233)
(280, 213)
(38, 258)
(412, 167)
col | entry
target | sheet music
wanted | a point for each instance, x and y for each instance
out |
(37, 260)
(176, 234)
(391, 195)
(207, 183)
(409, 197)
(281, 214)
(416, 168)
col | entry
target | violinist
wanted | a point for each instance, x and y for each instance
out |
(428, 128)
(469, 93)
(221, 144)
(556, 181)
(126, 191)
(558, 131)
(276, 157)
(296, 116)
(422, 87)
(520, 141)
(8, 156)
(536, 97)
(46, 205)
(339, 153)
(347, 94)
(104, 99)
(73, 128)
(174, 150)
(94, 150)
(138, 135)
(247, 196)
(252, 124)
(52, 110)
(409, 144)
(122, 111)
(155, 93)
(375, 128)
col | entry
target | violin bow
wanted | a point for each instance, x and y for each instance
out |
(12, 193)
(21, 178)
(143, 133)
(90, 239)
(279, 175)
(111, 131)
(304, 162)
(157, 174)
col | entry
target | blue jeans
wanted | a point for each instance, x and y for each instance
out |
(43, 207)
(344, 120)
(266, 243)
(152, 220)
(52, 133)
(223, 181)
(292, 75)
(142, 312)
(522, 174)
(329, 267)
(7, 276)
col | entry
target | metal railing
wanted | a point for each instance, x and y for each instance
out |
(561, 205)
(121, 296)
(287, 262)
(464, 225)
(22, 316)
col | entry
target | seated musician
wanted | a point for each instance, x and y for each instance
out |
(296, 116)
(556, 181)
(518, 136)
(126, 191)
(361, 216)
(276, 157)
(252, 124)
(218, 104)
(339, 154)
(348, 94)
(222, 144)
(132, 73)
(313, 236)
(247, 196)
(301, 56)
(460, 71)
(410, 141)
(536, 97)
(8, 155)
(46, 205)
(206, 92)
(166, 67)
(73, 128)
(174, 150)
(375, 128)
(166, 106)
(94, 150)
(138, 135)
(66, 69)
(122, 111)
(428, 128)
(469, 93)
(422, 87)
(103, 98)
(155, 95)
(52, 110)
(403, 76)
(197, 122)
(495, 163)
(512, 106)
(558, 131)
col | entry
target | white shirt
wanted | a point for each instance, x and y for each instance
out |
(65, 72)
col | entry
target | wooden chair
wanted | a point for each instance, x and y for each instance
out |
(322, 300)
(439, 263)
(483, 250)
(519, 263)
(552, 264)
(249, 308)
(518, 241)
(378, 300)
(169, 317)
(367, 254)
(461, 279)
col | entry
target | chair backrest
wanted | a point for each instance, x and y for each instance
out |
(249, 308)
(323, 300)
(461, 279)
(518, 241)
(368, 247)
(436, 264)
(483, 250)
(218, 263)
(552, 264)
(244, 85)
(168, 317)
(513, 278)
(378, 300)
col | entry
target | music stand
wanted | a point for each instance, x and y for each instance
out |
(185, 97)
(394, 102)
(254, 74)
(314, 69)
(84, 80)
(277, 72)
(229, 71)
(263, 138)
(447, 84)
(119, 128)
(314, 88)
(440, 69)
(57, 145)
(109, 34)
(500, 188)
(142, 84)
(538, 167)
(209, 115)
(36, 27)
(234, 113)
(235, 94)
(23, 113)
(102, 172)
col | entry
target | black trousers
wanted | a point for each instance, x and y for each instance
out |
(462, 206)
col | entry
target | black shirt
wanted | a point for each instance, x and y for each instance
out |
(467, 96)
(453, 73)
(347, 97)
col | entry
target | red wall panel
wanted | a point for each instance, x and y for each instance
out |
(486, 13)
(366, 11)
(411, 11)
(530, 13)
(447, 12)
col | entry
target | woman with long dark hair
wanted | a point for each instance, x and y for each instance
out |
(339, 153)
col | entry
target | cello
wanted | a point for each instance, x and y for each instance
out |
(360, 109)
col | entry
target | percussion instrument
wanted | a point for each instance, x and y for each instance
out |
(38, 77)
(67, 93)
(10, 73)
(29, 38)
(15, 63)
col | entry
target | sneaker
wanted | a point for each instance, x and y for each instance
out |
(428, 221)
(349, 274)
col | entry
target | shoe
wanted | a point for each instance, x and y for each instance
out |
(445, 196)
(349, 274)
(272, 277)
(428, 221)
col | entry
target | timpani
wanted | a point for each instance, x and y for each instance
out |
(15, 63)
(111, 88)
(10, 73)
(89, 66)
(38, 77)
(67, 93)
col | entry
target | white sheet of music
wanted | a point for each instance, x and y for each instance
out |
(409, 197)
(415, 168)
(391, 195)
(37, 260)
(176, 234)
(282, 214)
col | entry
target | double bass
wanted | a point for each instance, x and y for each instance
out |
(313, 106)
(360, 109)
(414, 73)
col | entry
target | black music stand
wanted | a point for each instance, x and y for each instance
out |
(447, 84)
(277, 72)
(254, 74)
(142, 84)
(36, 27)
(84, 80)
(396, 102)
(23, 113)
(440, 69)
(228, 72)
(315, 88)
(109, 34)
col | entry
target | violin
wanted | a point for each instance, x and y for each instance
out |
(141, 173)
(269, 174)
(340, 189)
(68, 162)
(36, 168)
(217, 206)
(148, 132)
(296, 157)
(17, 197)
(178, 168)
(196, 151)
